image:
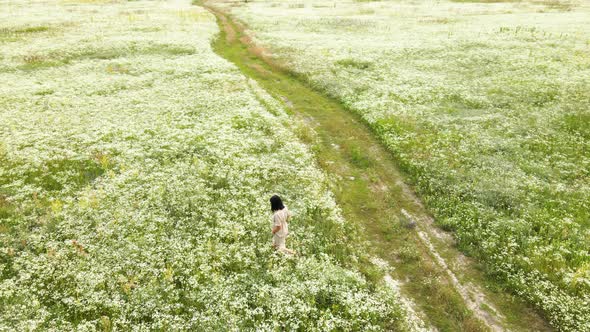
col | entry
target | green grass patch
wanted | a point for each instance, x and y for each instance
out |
(55, 59)
(11, 34)
(353, 63)
(358, 157)
(577, 123)
(35, 62)
(486, 1)
(6, 210)
(55, 175)
(132, 50)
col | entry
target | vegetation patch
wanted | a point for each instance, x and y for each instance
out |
(486, 1)
(37, 61)
(10, 34)
(54, 59)
(355, 64)
(134, 49)
(488, 119)
(124, 207)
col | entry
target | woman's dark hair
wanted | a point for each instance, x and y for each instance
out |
(276, 203)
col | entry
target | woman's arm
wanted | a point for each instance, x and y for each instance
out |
(276, 229)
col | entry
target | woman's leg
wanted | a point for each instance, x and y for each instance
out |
(285, 249)
(278, 242)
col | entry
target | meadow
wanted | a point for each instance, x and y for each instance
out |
(135, 171)
(484, 105)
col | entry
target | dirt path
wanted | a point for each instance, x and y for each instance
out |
(446, 287)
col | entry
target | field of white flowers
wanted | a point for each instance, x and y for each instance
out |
(485, 106)
(135, 172)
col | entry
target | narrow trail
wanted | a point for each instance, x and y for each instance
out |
(447, 289)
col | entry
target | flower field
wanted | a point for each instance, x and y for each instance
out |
(135, 171)
(485, 106)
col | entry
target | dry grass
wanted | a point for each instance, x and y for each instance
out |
(550, 4)
(90, 1)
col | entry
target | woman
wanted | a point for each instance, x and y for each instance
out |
(280, 226)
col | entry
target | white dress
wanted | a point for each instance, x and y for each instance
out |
(280, 218)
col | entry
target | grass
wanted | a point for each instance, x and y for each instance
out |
(486, 1)
(6, 211)
(550, 4)
(486, 115)
(52, 177)
(134, 185)
(38, 61)
(11, 34)
(352, 63)
(361, 170)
